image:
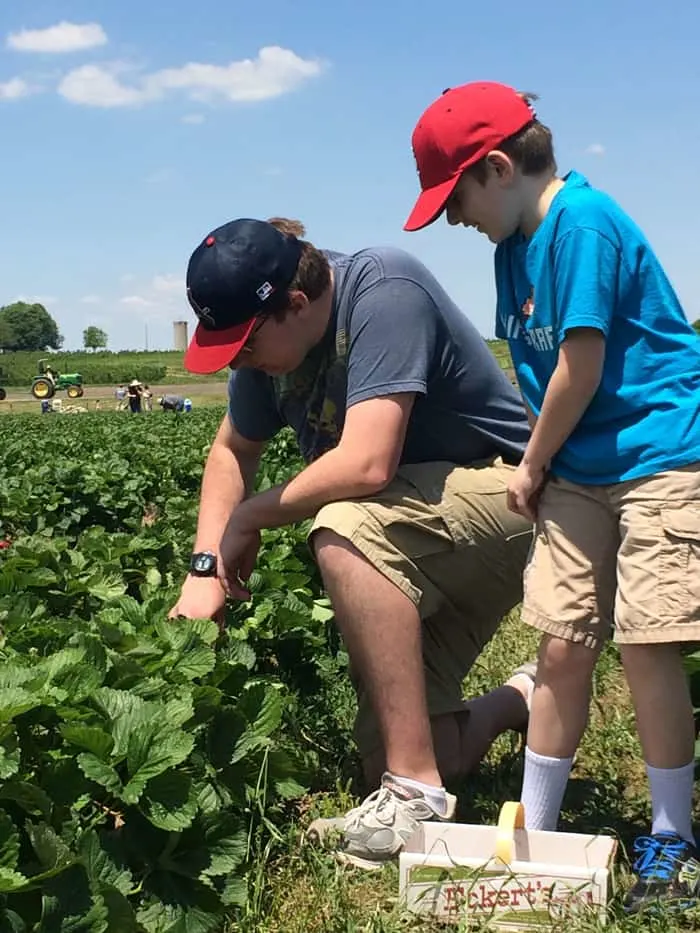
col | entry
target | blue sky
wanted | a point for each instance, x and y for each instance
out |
(129, 133)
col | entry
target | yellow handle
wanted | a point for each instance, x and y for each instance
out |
(511, 817)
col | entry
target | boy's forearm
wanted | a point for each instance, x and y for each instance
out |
(573, 384)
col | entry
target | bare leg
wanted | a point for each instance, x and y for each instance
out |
(382, 632)
(662, 703)
(561, 699)
(461, 740)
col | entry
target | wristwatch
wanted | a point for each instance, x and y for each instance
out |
(203, 564)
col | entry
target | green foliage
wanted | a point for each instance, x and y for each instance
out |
(109, 369)
(143, 761)
(696, 326)
(94, 338)
(28, 327)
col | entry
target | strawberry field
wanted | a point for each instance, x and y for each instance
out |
(153, 773)
(143, 762)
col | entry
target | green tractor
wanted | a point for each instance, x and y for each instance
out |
(49, 381)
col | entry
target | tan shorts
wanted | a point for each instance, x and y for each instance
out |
(626, 554)
(443, 534)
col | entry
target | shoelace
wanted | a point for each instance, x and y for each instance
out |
(657, 858)
(381, 804)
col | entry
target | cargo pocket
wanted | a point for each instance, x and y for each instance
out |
(681, 556)
(434, 483)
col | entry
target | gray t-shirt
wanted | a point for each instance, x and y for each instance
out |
(393, 329)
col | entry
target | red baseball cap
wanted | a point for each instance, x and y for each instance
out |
(456, 131)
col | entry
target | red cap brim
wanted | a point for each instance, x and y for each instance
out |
(430, 204)
(212, 350)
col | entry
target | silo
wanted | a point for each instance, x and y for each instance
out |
(180, 335)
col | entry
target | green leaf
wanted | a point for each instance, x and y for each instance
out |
(9, 842)
(195, 662)
(100, 865)
(262, 707)
(11, 880)
(98, 771)
(14, 701)
(152, 750)
(170, 802)
(9, 762)
(322, 611)
(91, 738)
(51, 851)
(235, 893)
(106, 588)
(120, 913)
(215, 846)
(205, 629)
(30, 797)
(179, 905)
(153, 577)
(68, 905)
(11, 922)
(179, 710)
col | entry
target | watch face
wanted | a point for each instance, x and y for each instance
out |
(202, 563)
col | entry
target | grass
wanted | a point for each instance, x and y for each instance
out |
(299, 889)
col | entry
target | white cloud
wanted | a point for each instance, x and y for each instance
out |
(95, 86)
(168, 284)
(14, 89)
(274, 72)
(195, 119)
(136, 301)
(91, 300)
(64, 37)
(596, 149)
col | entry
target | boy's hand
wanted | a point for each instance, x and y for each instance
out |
(524, 489)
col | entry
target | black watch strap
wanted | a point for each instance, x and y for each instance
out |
(203, 564)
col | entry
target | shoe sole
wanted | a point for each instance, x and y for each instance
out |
(356, 861)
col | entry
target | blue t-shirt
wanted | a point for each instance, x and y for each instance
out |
(589, 265)
(393, 329)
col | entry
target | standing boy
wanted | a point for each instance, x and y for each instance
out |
(610, 371)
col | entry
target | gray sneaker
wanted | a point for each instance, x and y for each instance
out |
(375, 832)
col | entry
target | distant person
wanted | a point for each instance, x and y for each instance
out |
(120, 396)
(147, 397)
(134, 394)
(609, 367)
(172, 403)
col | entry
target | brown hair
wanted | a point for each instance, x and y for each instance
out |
(531, 148)
(313, 275)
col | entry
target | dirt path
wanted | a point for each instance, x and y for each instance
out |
(106, 393)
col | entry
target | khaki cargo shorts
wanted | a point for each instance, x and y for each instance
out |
(625, 556)
(444, 536)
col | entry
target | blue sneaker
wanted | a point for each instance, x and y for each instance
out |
(668, 874)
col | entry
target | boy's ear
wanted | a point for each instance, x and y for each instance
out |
(500, 164)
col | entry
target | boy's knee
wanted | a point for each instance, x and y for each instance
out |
(562, 659)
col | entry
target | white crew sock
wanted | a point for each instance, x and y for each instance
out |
(672, 800)
(436, 796)
(544, 783)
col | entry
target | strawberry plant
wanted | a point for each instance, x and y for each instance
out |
(140, 757)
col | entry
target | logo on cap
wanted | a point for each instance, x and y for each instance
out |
(264, 291)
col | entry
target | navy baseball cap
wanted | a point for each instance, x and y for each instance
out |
(238, 273)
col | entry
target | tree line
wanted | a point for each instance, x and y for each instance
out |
(29, 326)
